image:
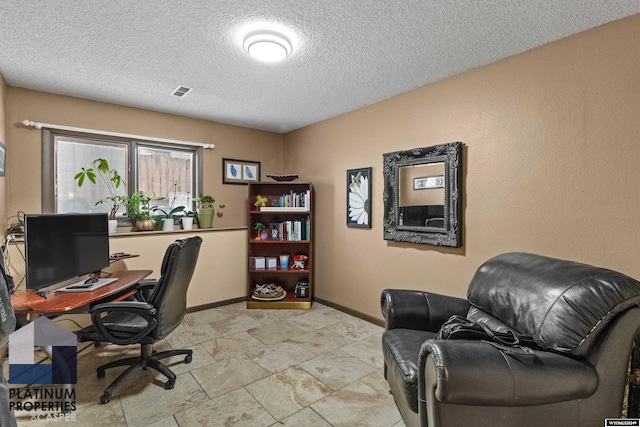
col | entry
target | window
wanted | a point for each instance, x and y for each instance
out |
(170, 172)
(167, 173)
(71, 154)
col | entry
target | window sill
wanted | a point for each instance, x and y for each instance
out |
(126, 231)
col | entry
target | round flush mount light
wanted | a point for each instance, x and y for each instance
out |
(267, 45)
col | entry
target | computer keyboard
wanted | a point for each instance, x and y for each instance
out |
(86, 287)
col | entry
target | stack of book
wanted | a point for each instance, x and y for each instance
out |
(293, 230)
(292, 201)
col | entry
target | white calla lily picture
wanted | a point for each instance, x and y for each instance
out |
(358, 202)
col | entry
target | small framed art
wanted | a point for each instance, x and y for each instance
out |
(358, 204)
(240, 171)
(3, 158)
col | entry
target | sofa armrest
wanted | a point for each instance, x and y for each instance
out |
(477, 373)
(410, 309)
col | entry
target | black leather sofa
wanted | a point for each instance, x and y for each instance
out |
(583, 318)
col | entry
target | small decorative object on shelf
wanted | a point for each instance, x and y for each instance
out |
(284, 262)
(283, 178)
(298, 261)
(259, 263)
(285, 211)
(268, 292)
(274, 229)
(302, 289)
(260, 228)
(260, 201)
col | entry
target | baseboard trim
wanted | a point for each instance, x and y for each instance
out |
(215, 304)
(350, 311)
(342, 308)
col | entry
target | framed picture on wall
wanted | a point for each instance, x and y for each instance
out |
(3, 158)
(236, 171)
(358, 203)
(428, 182)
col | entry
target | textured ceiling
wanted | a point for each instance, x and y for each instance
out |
(346, 53)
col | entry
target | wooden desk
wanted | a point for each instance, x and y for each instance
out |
(27, 302)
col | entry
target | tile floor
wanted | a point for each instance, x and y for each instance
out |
(318, 367)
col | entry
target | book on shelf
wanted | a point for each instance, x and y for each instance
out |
(293, 200)
(288, 208)
(297, 230)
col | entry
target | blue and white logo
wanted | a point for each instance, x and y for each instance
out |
(59, 344)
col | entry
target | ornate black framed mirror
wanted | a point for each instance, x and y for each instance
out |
(423, 195)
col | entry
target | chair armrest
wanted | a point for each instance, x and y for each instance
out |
(136, 308)
(410, 309)
(129, 306)
(477, 373)
(144, 289)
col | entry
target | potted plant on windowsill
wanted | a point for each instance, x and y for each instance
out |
(204, 207)
(112, 180)
(187, 220)
(138, 210)
(165, 220)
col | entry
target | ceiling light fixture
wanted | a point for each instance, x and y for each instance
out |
(267, 45)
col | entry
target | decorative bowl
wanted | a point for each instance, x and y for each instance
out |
(283, 177)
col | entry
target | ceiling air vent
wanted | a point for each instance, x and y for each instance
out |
(181, 91)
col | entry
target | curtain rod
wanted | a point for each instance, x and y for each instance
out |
(38, 125)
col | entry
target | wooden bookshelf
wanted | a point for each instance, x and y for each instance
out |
(288, 218)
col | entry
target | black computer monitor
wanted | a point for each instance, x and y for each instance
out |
(59, 247)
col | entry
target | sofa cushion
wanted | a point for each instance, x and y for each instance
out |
(562, 304)
(401, 350)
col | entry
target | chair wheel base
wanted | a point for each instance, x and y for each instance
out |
(100, 373)
(105, 399)
(188, 358)
(169, 385)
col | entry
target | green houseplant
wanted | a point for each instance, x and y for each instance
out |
(138, 210)
(204, 207)
(111, 178)
(165, 220)
(187, 220)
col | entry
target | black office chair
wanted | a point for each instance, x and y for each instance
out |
(149, 320)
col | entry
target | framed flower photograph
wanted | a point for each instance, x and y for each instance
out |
(240, 171)
(358, 204)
